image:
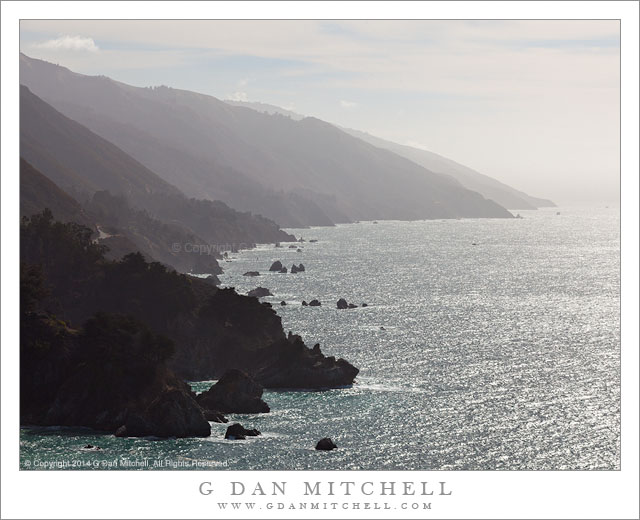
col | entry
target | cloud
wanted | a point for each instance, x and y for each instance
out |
(238, 96)
(72, 43)
(348, 104)
(243, 83)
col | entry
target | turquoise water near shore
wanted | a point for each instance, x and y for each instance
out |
(498, 355)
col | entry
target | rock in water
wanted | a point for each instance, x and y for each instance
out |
(326, 444)
(259, 292)
(283, 270)
(276, 266)
(365, 305)
(283, 303)
(314, 303)
(342, 304)
(215, 416)
(304, 303)
(251, 273)
(301, 268)
(237, 432)
(352, 306)
(294, 269)
(235, 392)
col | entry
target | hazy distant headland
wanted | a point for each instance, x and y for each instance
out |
(296, 172)
(489, 188)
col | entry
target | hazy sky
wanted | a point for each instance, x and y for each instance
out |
(532, 103)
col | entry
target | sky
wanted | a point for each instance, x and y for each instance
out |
(531, 103)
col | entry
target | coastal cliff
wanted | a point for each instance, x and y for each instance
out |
(108, 344)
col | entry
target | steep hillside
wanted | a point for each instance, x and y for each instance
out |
(251, 159)
(37, 192)
(114, 224)
(487, 186)
(82, 163)
(490, 188)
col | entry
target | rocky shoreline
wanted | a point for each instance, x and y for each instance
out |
(127, 334)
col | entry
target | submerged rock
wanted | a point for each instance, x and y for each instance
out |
(326, 444)
(237, 432)
(259, 292)
(276, 266)
(235, 392)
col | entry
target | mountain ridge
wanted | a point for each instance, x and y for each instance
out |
(297, 172)
(490, 188)
(83, 164)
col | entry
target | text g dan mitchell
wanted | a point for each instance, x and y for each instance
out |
(328, 488)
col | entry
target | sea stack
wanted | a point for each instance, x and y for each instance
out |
(276, 266)
(326, 444)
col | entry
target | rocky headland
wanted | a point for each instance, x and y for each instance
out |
(108, 344)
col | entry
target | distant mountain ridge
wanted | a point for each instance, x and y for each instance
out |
(488, 187)
(298, 173)
(112, 189)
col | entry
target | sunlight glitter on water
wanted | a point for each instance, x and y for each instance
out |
(503, 355)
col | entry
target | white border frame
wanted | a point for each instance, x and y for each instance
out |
(490, 494)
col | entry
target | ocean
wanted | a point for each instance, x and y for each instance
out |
(487, 344)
